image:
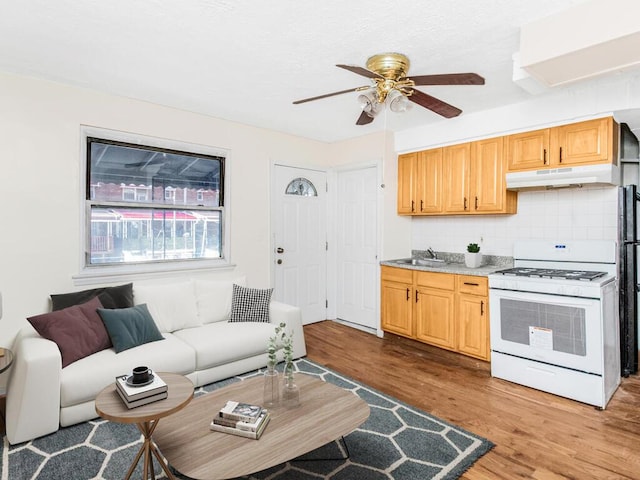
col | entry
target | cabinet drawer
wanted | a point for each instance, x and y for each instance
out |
(393, 274)
(473, 285)
(443, 281)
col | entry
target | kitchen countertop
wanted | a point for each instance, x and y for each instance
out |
(454, 264)
(457, 268)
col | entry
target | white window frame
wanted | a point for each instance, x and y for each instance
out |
(96, 274)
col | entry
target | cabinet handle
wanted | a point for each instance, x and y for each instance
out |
(408, 290)
(465, 203)
(413, 205)
(482, 308)
(560, 155)
(476, 203)
(544, 156)
(416, 295)
(421, 205)
(472, 284)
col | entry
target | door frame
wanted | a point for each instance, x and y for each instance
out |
(272, 219)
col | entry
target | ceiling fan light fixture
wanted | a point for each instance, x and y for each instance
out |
(368, 103)
(398, 102)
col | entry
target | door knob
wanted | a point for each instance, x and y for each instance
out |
(279, 261)
(279, 250)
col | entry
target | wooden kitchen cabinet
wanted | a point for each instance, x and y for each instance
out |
(455, 180)
(434, 309)
(420, 182)
(395, 299)
(472, 313)
(445, 310)
(475, 178)
(457, 170)
(582, 143)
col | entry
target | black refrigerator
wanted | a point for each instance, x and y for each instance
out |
(628, 244)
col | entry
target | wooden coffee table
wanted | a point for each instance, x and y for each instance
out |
(326, 413)
(110, 406)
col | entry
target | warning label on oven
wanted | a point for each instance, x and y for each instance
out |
(541, 337)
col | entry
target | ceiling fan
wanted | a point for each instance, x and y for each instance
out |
(388, 72)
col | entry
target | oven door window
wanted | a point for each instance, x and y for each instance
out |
(555, 327)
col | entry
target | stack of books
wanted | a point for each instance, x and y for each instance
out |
(241, 419)
(137, 395)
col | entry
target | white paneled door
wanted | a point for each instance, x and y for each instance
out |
(300, 240)
(356, 235)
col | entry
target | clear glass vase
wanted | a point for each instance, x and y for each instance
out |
(290, 391)
(271, 388)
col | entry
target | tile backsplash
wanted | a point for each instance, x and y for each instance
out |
(588, 213)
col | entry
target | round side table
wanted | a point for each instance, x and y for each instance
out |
(111, 407)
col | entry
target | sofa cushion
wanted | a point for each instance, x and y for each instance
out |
(129, 327)
(78, 330)
(82, 381)
(219, 343)
(172, 305)
(110, 297)
(250, 304)
(213, 299)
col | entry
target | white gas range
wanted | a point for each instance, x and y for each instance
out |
(554, 319)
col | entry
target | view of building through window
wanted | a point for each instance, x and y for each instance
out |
(148, 204)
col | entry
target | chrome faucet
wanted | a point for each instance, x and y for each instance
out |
(432, 253)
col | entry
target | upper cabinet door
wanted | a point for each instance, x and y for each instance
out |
(528, 150)
(487, 172)
(456, 161)
(407, 171)
(429, 189)
(585, 142)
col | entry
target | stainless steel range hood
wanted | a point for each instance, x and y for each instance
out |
(563, 177)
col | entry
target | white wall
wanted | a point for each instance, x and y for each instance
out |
(40, 184)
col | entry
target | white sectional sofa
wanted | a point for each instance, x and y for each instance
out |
(199, 342)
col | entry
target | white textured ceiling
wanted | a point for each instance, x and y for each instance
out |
(247, 60)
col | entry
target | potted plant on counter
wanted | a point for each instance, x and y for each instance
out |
(473, 257)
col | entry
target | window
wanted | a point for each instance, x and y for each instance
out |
(147, 204)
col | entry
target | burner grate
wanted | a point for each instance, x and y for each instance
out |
(584, 275)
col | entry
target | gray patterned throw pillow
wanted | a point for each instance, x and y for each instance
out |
(250, 304)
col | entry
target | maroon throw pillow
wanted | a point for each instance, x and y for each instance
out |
(78, 330)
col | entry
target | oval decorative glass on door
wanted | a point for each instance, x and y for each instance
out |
(301, 186)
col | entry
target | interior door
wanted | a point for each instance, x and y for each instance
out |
(356, 236)
(300, 240)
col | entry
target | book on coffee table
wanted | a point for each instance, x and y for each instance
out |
(132, 392)
(262, 423)
(252, 426)
(142, 401)
(244, 412)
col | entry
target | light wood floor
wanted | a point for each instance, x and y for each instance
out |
(537, 435)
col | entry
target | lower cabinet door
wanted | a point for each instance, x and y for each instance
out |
(396, 308)
(434, 311)
(473, 326)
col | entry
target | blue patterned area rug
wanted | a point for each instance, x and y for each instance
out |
(397, 442)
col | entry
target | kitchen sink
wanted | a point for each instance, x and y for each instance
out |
(422, 262)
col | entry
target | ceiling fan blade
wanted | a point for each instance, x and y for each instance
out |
(449, 79)
(433, 104)
(364, 119)
(360, 71)
(326, 95)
